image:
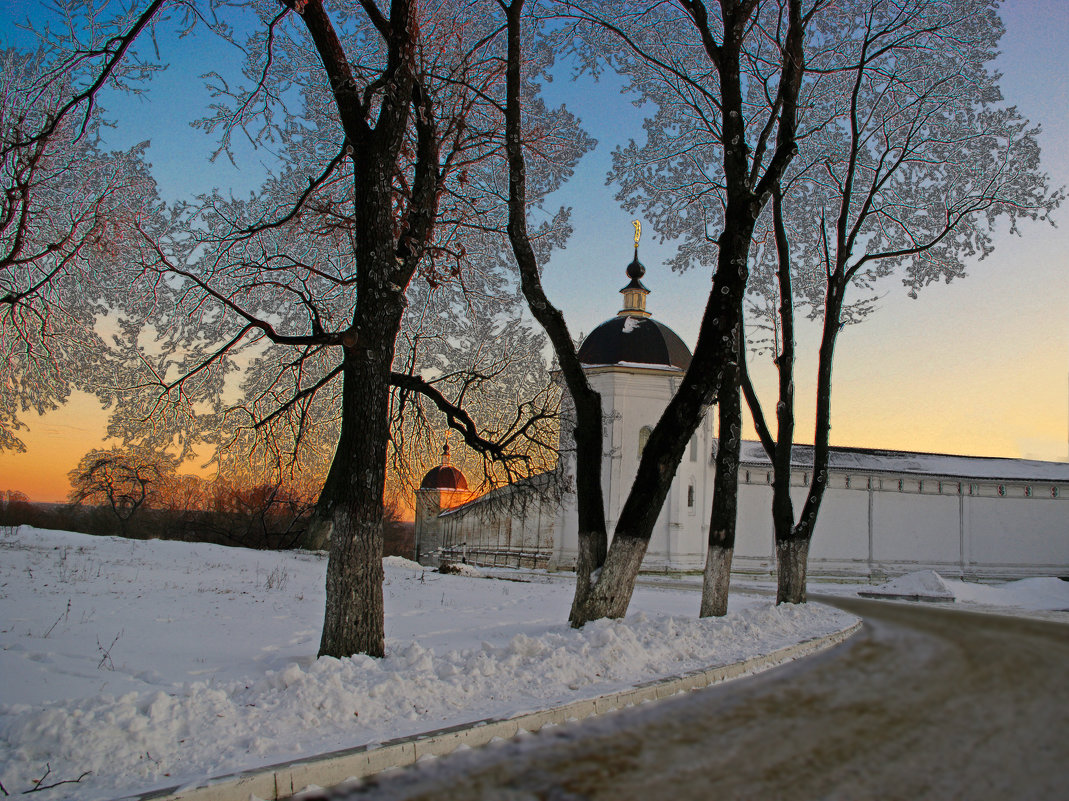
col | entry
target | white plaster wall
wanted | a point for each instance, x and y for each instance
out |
(566, 539)
(1017, 531)
(754, 536)
(842, 531)
(911, 528)
(631, 400)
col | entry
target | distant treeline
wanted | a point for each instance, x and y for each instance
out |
(264, 517)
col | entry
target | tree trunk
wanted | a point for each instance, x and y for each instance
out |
(591, 557)
(746, 194)
(351, 504)
(722, 317)
(723, 518)
(386, 240)
(782, 505)
(610, 592)
(317, 536)
(593, 536)
(795, 544)
(792, 557)
(716, 582)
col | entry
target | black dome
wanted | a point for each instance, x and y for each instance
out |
(444, 476)
(635, 340)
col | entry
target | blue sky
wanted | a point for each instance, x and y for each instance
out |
(978, 367)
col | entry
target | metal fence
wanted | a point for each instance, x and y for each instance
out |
(495, 557)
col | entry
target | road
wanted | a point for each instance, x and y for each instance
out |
(923, 703)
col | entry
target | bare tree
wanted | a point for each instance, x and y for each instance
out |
(68, 207)
(752, 153)
(913, 162)
(384, 202)
(126, 482)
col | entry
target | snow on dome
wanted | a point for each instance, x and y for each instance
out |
(631, 337)
(634, 340)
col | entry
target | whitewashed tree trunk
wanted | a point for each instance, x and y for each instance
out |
(716, 582)
(791, 559)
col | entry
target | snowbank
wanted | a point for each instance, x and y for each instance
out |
(1032, 594)
(924, 585)
(153, 663)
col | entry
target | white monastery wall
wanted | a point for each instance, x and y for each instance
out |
(875, 528)
(870, 525)
(1020, 533)
(916, 529)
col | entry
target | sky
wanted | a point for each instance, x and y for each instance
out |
(99, 674)
(977, 367)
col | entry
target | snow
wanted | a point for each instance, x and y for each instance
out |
(153, 663)
(1033, 593)
(925, 585)
(461, 569)
(639, 365)
(870, 460)
(630, 324)
(1047, 596)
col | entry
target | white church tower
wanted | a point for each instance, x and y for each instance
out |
(636, 363)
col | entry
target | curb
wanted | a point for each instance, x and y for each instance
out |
(898, 596)
(283, 780)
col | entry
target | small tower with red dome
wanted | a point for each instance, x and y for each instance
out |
(443, 487)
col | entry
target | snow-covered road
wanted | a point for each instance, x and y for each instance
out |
(925, 703)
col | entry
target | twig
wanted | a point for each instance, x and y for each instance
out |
(39, 785)
(106, 658)
(50, 628)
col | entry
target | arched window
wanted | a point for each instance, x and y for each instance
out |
(643, 438)
(690, 497)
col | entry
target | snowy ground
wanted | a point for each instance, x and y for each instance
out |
(1044, 598)
(146, 664)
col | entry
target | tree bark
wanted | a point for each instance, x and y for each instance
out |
(796, 542)
(782, 506)
(716, 581)
(351, 504)
(387, 247)
(792, 557)
(745, 198)
(611, 593)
